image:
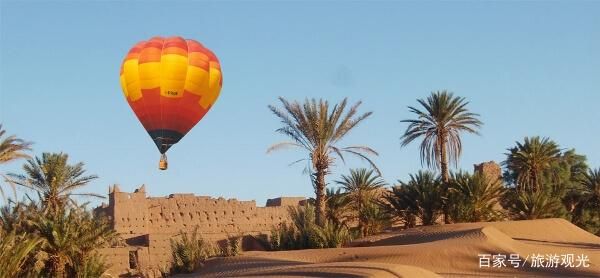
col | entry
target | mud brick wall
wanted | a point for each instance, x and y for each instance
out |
(147, 224)
(490, 169)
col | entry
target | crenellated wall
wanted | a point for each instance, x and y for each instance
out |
(148, 223)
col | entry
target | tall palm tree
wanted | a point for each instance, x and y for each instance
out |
(444, 117)
(318, 128)
(361, 187)
(54, 180)
(11, 149)
(528, 160)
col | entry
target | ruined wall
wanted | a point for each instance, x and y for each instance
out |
(148, 223)
(490, 169)
(285, 201)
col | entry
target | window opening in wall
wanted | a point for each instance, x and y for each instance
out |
(133, 259)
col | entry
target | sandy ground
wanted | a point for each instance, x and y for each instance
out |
(434, 251)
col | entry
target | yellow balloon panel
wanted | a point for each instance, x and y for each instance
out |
(130, 72)
(149, 75)
(173, 71)
(196, 80)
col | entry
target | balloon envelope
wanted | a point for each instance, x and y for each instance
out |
(170, 83)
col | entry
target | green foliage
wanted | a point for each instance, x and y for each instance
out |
(375, 218)
(397, 205)
(69, 234)
(333, 236)
(54, 180)
(67, 240)
(90, 266)
(11, 149)
(533, 205)
(306, 227)
(549, 182)
(474, 198)
(317, 127)
(70, 239)
(304, 233)
(232, 246)
(337, 208)
(444, 117)
(284, 238)
(15, 249)
(586, 202)
(361, 189)
(421, 197)
(527, 162)
(190, 252)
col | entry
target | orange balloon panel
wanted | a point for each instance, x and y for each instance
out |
(170, 83)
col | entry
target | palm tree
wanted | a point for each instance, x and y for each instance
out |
(337, 207)
(54, 180)
(398, 203)
(361, 186)
(376, 218)
(14, 251)
(70, 239)
(11, 149)
(318, 128)
(533, 205)
(591, 185)
(475, 198)
(420, 197)
(528, 161)
(589, 195)
(440, 124)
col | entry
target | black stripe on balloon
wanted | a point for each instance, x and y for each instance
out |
(165, 138)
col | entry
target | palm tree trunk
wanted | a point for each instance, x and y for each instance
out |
(444, 160)
(58, 268)
(534, 181)
(445, 174)
(360, 215)
(320, 192)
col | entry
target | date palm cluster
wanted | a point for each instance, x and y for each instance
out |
(49, 234)
(539, 180)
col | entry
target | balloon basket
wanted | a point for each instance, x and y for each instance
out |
(163, 164)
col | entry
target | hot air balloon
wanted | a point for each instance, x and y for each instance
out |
(170, 84)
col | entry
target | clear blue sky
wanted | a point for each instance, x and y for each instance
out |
(529, 68)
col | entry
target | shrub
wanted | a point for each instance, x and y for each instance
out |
(421, 197)
(304, 233)
(533, 205)
(474, 198)
(91, 266)
(14, 252)
(190, 252)
(232, 246)
(375, 219)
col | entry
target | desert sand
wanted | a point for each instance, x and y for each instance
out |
(434, 251)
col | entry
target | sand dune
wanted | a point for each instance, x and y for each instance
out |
(444, 250)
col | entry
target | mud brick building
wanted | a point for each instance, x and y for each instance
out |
(146, 224)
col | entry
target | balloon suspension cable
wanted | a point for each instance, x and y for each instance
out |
(163, 164)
